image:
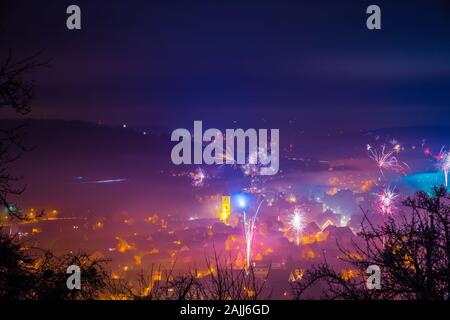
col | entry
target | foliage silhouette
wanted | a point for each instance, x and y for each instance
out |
(412, 249)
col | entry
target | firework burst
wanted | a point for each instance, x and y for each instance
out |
(252, 169)
(386, 160)
(386, 201)
(198, 177)
(297, 223)
(228, 158)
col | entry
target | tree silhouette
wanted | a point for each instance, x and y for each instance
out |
(222, 281)
(16, 277)
(412, 249)
(28, 273)
(16, 94)
(16, 91)
(225, 281)
(25, 272)
(52, 277)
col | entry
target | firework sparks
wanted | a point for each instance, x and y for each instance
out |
(386, 160)
(386, 201)
(228, 157)
(249, 222)
(397, 148)
(297, 223)
(444, 166)
(198, 177)
(252, 169)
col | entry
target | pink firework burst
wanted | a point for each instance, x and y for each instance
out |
(386, 201)
(386, 160)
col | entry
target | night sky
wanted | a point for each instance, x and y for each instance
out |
(167, 63)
